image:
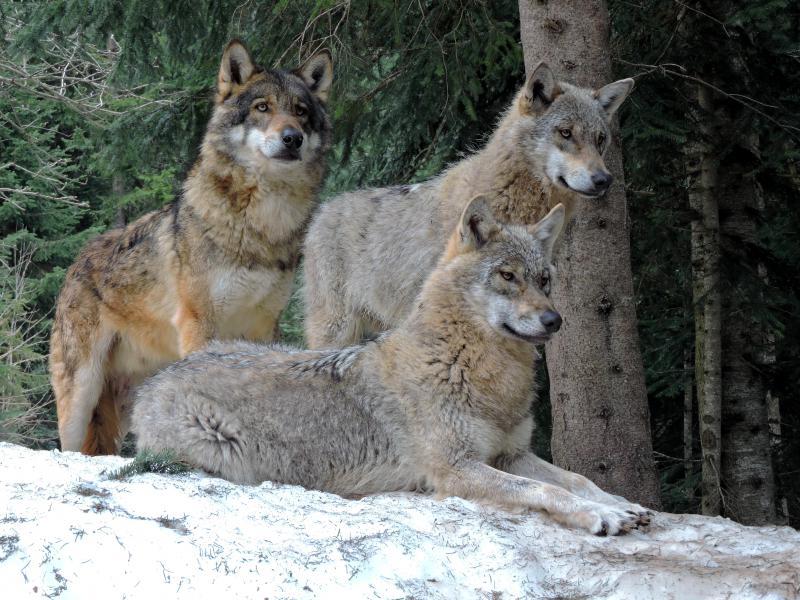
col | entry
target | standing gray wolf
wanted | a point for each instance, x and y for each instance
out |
(367, 253)
(216, 263)
(440, 403)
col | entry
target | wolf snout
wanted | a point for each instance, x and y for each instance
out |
(551, 321)
(602, 181)
(292, 138)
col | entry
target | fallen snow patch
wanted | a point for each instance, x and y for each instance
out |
(67, 531)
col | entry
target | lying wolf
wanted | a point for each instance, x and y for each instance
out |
(367, 253)
(441, 403)
(216, 263)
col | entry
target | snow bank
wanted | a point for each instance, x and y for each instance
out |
(68, 531)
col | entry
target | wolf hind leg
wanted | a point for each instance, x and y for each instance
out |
(78, 392)
(199, 430)
(104, 432)
(111, 418)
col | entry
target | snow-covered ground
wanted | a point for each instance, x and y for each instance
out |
(67, 531)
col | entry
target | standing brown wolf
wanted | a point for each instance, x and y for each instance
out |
(367, 253)
(216, 263)
(441, 403)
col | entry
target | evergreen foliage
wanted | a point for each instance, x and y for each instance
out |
(164, 462)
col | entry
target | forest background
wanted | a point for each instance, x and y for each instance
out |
(103, 105)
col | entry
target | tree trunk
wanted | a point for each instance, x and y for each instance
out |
(747, 473)
(118, 189)
(601, 421)
(746, 458)
(774, 420)
(688, 414)
(702, 170)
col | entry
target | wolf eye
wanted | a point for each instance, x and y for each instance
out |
(507, 275)
(565, 133)
(300, 111)
(601, 139)
(262, 107)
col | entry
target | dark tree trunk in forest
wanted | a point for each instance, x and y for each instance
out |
(688, 415)
(737, 473)
(601, 425)
(747, 473)
(702, 172)
(730, 340)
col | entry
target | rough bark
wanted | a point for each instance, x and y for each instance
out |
(702, 173)
(601, 425)
(774, 420)
(688, 415)
(747, 473)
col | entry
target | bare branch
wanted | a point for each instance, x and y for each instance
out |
(746, 101)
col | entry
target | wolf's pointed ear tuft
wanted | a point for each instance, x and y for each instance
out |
(477, 225)
(540, 90)
(317, 72)
(236, 68)
(612, 95)
(549, 229)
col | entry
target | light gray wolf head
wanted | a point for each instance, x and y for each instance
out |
(271, 118)
(565, 130)
(505, 272)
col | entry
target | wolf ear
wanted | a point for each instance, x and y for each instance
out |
(477, 225)
(236, 68)
(612, 95)
(540, 90)
(317, 72)
(549, 229)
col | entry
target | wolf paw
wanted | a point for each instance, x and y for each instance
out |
(609, 520)
(643, 514)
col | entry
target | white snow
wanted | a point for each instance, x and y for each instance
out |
(67, 531)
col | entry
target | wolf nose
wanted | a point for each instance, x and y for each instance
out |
(292, 138)
(602, 180)
(551, 321)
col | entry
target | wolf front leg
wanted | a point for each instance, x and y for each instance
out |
(474, 480)
(527, 464)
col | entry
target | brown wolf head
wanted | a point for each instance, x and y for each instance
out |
(271, 119)
(564, 130)
(504, 272)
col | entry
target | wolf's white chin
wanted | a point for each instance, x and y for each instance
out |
(270, 148)
(561, 176)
